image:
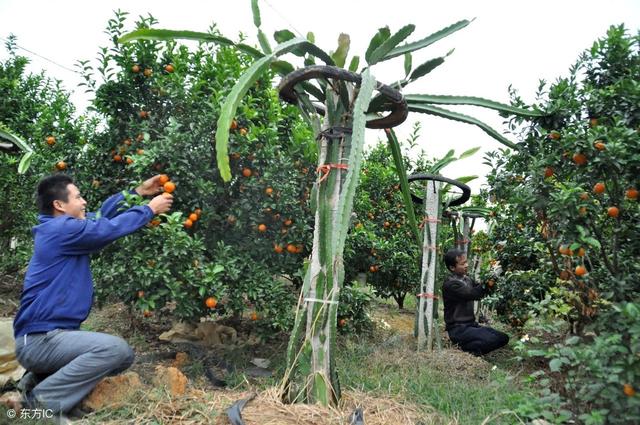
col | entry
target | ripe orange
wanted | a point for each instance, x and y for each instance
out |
(169, 68)
(188, 224)
(155, 222)
(548, 172)
(143, 114)
(373, 268)
(613, 212)
(278, 248)
(169, 187)
(599, 144)
(599, 188)
(135, 69)
(246, 172)
(262, 228)
(564, 250)
(147, 72)
(127, 142)
(584, 196)
(193, 217)
(243, 131)
(554, 135)
(51, 140)
(163, 178)
(342, 323)
(61, 165)
(234, 125)
(628, 390)
(386, 224)
(129, 160)
(291, 249)
(288, 222)
(211, 302)
(140, 151)
(579, 158)
(581, 252)
(198, 211)
(581, 271)
(298, 249)
(268, 190)
(254, 316)
(631, 193)
(140, 294)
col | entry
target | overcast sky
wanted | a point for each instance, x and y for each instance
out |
(509, 42)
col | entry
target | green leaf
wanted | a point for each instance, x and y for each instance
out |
(340, 55)
(470, 100)
(417, 45)
(378, 55)
(469, 152)
(381, 36)
(168, 35)
(25, 162)
(355, 61)
(282, 67)
(247, 79)
(426, 68)
(444, 113)
(407, 64)
(396, 152)
(555, 365)
(7, 134)
(592, 242)
(284, 35)
(311, 37)
(264, 42)
(256, 13)
(466, 179)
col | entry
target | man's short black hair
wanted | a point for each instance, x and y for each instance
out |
(451, 257)
(52, 188)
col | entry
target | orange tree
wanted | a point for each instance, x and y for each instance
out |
(567, 229)
(37, 111)
(241, 242)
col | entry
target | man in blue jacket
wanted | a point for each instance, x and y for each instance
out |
(459, 291)
(65, 363)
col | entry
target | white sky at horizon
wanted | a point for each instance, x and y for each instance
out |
(509, 42)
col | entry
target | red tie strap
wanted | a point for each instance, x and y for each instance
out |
(326, 168)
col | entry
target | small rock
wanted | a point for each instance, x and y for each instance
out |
(257, 372)
(180, 360)
(112, 391)
(172, 379)
(263, 363)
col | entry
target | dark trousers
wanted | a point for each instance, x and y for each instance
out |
(476, 339)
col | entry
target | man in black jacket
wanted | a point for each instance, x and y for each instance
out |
(459, 291)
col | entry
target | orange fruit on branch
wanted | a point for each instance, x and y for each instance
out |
(613, 212)
(342, 323)
(628, 390)
(243, 131)
(278, 248)
(631, 193)
(291, 249)
(163, 178)
(193, 217)
(61, 165)
(211, 302)
(548, 172)
(148, 72)
(51, 140)
(581, 271)
(268, 190)
(247, 172)
(140, 294)
(169, 68)
(599, 144)
(135, 69)
(599, 188)
(554, 135)
(234, 125)
(254, 316)
(188, 224)
(579, 158)
(262, 227)
(169, 187)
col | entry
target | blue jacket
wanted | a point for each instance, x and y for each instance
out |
(58, 287)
